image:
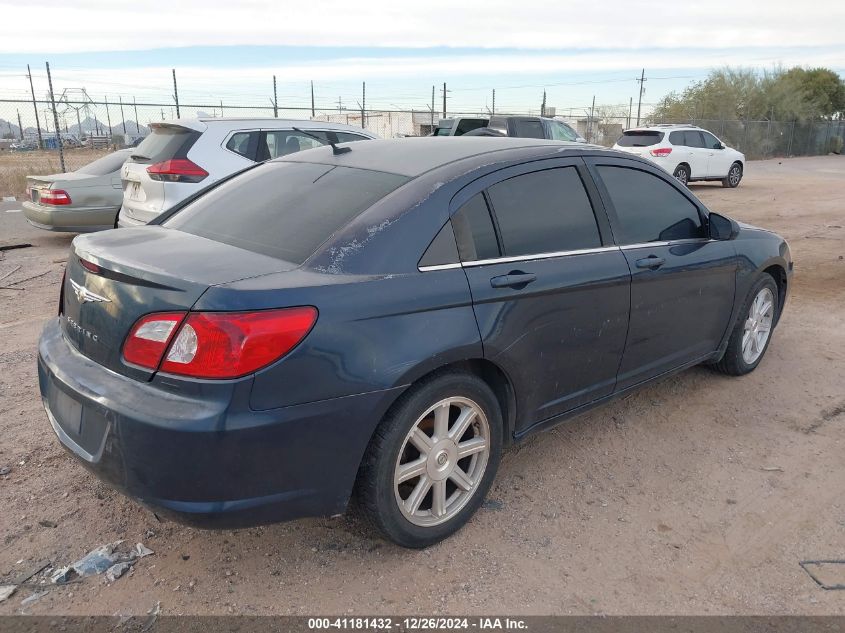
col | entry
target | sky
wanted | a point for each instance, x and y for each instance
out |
(229, 51)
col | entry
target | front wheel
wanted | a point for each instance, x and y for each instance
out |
(432, 460)
(753, 331)
(682, 174)
(733, 177)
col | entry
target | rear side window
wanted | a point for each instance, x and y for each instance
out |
(544, 212)
(529, 128)
(243, 143)
(468, 125)
(677, 137)
(284, 210)
(648, 208)
(639, 138)
(108, 164)
(693, 139)
(474, 230)
(165, 143)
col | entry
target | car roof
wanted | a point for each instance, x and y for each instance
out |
(201, 123)
(415, 156)
(662, 127)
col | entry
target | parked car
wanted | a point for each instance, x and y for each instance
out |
(535, 127)
(459, 126)
(386, 320)
(687, 152)
(87, 199)
(179, 158)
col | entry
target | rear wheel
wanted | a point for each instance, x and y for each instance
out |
(432, 460)
(682, 173)
(733, 177)
(753, 331)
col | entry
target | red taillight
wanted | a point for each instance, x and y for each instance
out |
(216, 344)
(91, 267)
(53, 196)
(661, 152)
(149, 337)
(177, 170)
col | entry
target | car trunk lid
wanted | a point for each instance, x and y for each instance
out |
(143, 197)
(113, 278)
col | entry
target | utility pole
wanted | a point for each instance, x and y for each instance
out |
(122, 118)
(642, 81)
(176, 95)
(312, 98)
(221, 108)
(543, 105)
(363, 104)
(444, 99)
(137, 124)
(494, 102)
(630, 110)
(275, 99)
(20, 126)
(340, 105)
(35, 107)
(592, 111)
(432, 109)
(108, 115)
(56, 119)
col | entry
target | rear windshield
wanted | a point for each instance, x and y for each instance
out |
(284, 210)
(164, 143)
(108, 164)
(639, 138)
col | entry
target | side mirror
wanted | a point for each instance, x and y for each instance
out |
(722, 228)
(720, 146)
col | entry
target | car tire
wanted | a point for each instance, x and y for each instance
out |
(401, 504)
(682, 174)
(744, 354)
(734, 176)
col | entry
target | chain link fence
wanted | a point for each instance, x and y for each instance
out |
(30, 142)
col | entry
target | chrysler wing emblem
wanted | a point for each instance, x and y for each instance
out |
(84, 295)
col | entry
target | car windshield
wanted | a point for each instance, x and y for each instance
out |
(639, 138)
(284, 210)
(108, 164)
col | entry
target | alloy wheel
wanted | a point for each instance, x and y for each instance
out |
(734, 175)
(681, 175)
(758, 326)
(442, 461)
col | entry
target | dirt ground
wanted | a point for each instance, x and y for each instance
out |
(698, 495)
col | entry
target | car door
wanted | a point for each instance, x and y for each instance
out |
(681, 152)
(550, 293)
(682, 282)
(719, 162)
(699, 155)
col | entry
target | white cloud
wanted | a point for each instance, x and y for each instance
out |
(56, 26)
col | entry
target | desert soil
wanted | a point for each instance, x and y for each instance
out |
(696, 495)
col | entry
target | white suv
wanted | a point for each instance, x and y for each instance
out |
(181, 157)
(685, 151)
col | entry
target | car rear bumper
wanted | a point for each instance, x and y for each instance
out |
(63, 218)
(207, 461)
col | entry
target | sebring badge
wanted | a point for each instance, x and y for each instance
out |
(84, 295)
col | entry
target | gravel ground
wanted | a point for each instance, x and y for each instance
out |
(696, 495)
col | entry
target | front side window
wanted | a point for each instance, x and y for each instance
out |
(693, 139)
(648, 208)
(283, 142)
(561, 132)
(544, 212)
(710, 141)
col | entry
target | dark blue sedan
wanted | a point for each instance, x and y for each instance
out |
(384, 321)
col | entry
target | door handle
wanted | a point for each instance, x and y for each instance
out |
(652, 262)
(515, 279)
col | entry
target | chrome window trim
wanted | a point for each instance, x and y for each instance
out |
(526, 258)
(538, 256)
(425, 269)
(692, 240)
